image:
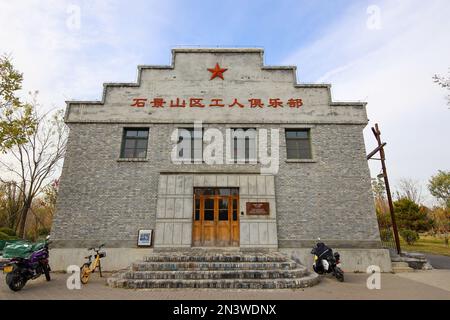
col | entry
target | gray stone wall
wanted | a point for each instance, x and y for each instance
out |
(100, 197)
(331, 196)
(106, 199)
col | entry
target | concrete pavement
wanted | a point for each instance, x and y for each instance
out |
(436, 278)
(433, 284)
(438, 261)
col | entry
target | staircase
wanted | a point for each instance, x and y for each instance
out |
(409, 262)
(206, 269)
(398, 266)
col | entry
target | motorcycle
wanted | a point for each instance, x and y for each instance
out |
(326, 262)
(19, 269)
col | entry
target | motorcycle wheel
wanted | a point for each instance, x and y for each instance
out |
(339, 274)
(317, 270)
(84, 273)
(47, 272)
(15, 281)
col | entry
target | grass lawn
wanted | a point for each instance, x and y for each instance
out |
(428, 244)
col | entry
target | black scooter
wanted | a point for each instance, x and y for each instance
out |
(327, 262)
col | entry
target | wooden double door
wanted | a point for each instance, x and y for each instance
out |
(216, 217)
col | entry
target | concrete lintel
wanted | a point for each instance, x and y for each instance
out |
(218, 50)
(228, 123)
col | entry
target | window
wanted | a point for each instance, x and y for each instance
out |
(134, 143)
(244, 145)
(298, 144)
(209, 210)
(197, 209)
(235, 210)
(190, 144)
(223, 209)
(206, 191)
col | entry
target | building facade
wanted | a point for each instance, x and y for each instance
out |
(216, 151)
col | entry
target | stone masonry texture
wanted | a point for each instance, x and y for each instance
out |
(104, 198)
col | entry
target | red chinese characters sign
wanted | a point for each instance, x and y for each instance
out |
(196, 102)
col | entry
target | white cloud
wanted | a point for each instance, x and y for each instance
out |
(64, 62)
(392, 70)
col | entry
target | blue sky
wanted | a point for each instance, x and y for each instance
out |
(383, 52)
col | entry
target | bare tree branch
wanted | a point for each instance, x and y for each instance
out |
(410, 189)
(37, 160)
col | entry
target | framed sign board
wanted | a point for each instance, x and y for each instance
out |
(258, 208)
(145, 238)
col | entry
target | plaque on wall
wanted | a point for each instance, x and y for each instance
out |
(258, 208)
(145, 238)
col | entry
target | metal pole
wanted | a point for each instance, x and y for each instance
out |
(377, 134)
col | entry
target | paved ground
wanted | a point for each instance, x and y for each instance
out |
(438, 262)
(437, 278)
(433, 284)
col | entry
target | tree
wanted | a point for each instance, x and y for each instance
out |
(441, 225)
(36, 160)
(43, 210)
(444, 82)
(16, 117)
(439, 186)
(379, 194)
(409, 189)
(10, 204)
(409, 236)
(51, 194)
(411, 216)
(381, 208)
(378, 188)
(40, 214)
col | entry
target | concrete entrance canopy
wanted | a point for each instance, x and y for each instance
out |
(174, 209)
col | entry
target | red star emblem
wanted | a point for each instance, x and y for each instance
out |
(217, 72)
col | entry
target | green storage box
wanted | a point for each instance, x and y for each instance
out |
(21, 249)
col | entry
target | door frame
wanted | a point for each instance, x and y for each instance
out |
(198, 226)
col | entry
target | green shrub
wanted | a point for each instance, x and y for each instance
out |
(8, 231)
(409, 236)
(4, 236)
(30, 236)
(386, 235)
(43, 232)
(411, 216)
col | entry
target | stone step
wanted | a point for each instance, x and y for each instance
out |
(216, 274)
(201, 265)
(215, 257)
(306, 281)
(398, 267)
(413, 260)
(401, 270)
(214, 269)
(399, 264)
